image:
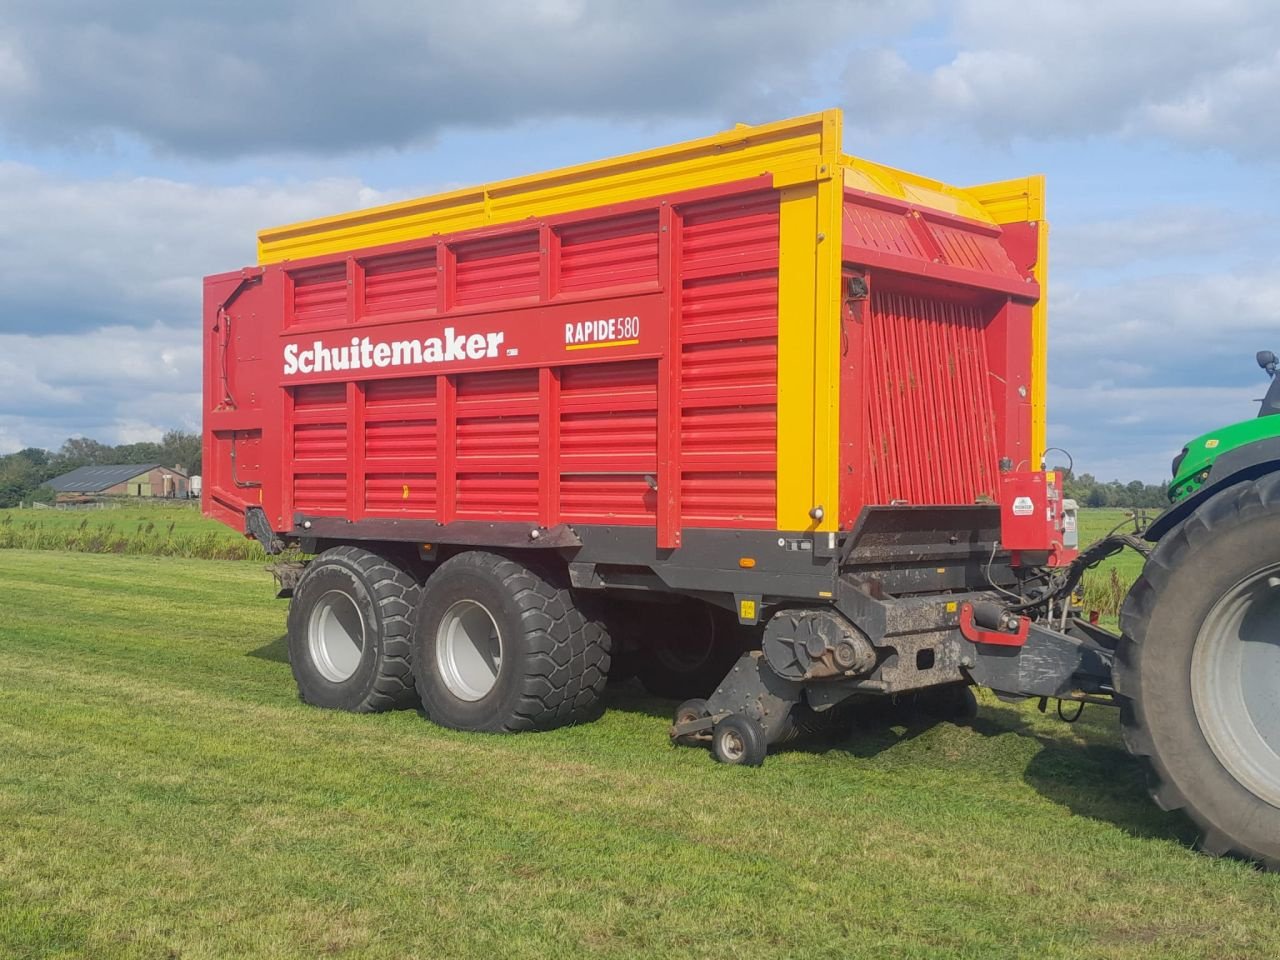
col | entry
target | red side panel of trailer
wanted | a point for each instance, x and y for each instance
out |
(613, 366)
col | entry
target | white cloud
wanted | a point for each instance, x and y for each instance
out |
(1187, 232)
(324, 76)
(116, 384)
(83, 253)
(100, 297)
(1128, 432)
(1198, 73)
(1139, 365)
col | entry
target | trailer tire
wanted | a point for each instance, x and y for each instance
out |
(500, 646)
(350, 630)
(1195, 669)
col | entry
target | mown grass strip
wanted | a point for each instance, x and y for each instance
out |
(164, 792)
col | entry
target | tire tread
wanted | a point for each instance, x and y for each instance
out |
(565, 675)
(1231, 505)
(395, 593)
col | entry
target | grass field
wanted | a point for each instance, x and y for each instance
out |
(164, 794)
(183, 515)
(151, 528)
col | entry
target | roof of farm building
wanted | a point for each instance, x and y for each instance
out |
(95, 479)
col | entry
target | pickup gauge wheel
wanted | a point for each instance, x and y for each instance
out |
(739, 741)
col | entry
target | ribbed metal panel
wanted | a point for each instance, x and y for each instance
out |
(401, 447)
(400, 440)
(401, 283)
(320, 493)
(609, 442)
(320, 441)
(929, 422)
(729, 362)
(401, 395)
(978, 251)
(320, 294)
(872, 226)
(496, 445)
(570, 436)
(875, 228)
(388, 494)
(509, 496)
(319, 399)
(503, 268)
(612, 252)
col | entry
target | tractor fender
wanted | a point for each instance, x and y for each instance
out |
(1239, 465)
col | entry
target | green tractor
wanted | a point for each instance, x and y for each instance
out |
(1197, 668)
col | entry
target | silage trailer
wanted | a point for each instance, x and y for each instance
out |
(755, 420)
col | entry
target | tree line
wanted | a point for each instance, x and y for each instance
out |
(1088, 491)
(23, 474)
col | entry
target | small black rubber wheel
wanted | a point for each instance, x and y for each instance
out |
(739, 740)
(694, 709)
(350, 630)
(687, 650)
(501, 646)
(1198, 668)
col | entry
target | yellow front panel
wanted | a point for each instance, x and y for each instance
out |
(797, 294)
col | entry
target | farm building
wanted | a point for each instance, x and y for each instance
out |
(121, 480)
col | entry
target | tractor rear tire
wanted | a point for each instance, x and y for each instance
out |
(350, 629)
(500, 646)
(1198, 671)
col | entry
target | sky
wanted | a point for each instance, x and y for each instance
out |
(143, 144)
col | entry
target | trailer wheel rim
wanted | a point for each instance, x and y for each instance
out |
(335, 636)
(468, 650)
(1235, 683)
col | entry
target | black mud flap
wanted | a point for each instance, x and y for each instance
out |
(257, 526)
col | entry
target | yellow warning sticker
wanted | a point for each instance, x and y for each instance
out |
(746, 609)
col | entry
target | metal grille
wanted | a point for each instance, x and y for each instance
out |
(729, 362)
(930, 426)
